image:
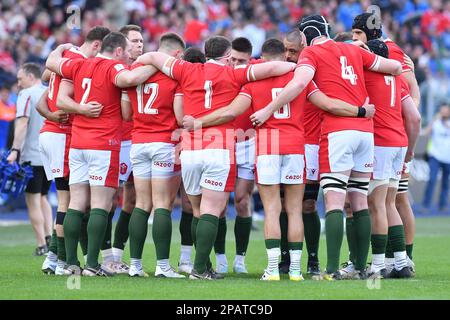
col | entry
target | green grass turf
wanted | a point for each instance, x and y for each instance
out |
(21, 277)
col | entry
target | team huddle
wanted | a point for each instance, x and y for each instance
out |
(312, 112)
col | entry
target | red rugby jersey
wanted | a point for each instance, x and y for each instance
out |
(283, 132)
(53, 89)
(95, 80)
(339, 73)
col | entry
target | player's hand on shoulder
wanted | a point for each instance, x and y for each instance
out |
(370, 108)
(91, 109)
(360, 44)
(259, 117)
(408, 61)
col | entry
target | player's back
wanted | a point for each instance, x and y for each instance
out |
(94, 82)
(208, 87)
(287, 122)
(53, 89)
(385, 93)
(153, 114)
(339, 73)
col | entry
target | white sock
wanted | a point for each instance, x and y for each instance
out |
(377, 262)
(296, 256)
(61, 264)
(163, 264)
(117, 254)
(185, 256)
(107, 255)
(400, 260)
(137, 263)
(221, 259)
(52, 256)
(239, 259)
(273, 256)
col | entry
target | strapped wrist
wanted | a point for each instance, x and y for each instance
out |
(361, 112)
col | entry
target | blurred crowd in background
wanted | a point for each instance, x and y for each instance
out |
(30, 29)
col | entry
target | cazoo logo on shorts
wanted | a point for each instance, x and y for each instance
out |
(163, 164)
(293, 177)
(214, 183)
(97, 178)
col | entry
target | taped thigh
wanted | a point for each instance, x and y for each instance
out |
(360, 185)
(333, 182)
(373, 184)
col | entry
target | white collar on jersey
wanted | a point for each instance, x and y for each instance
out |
(99, 55)
(78, 51)
(215, 62)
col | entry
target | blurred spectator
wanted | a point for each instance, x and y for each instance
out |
(7, 115)
(439, 157)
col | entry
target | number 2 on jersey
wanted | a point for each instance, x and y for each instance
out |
(145, 89)
(86, 85)
(285, 111)
(347, 72)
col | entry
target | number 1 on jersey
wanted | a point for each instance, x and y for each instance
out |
(208, 94)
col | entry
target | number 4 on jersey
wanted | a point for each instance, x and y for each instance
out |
(347, 71)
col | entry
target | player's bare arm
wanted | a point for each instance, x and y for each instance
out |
(131, 78)
(159, 60)
(126, 109)
(58, 116)
(46, 75)
(66, 103)
(340, 107)
(414, 89)
(55, 59)
(178, 109)
(302, 76)
(412, 121)
(20, 132)
(388, 66)
(270, 69)
(220, 116)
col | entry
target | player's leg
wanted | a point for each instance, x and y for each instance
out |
(444, 189)
(377, 205)
(285, 260)
(103, 169)
(33, 202)
(311, 219)
(335, 160)
(243, 223)
(128, 203)
(185, 264)
(358, 187)
(62, 187)
(165, 184)
(121, 231)
(348, 267)
(268, 168)
(292, 195)
(138, 225)
(396, 238)
(213, 169)
(407, 215)
(219, 244)
(164, 190)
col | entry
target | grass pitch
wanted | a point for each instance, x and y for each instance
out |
(21, 277)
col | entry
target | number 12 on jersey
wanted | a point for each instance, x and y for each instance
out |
(146, 89)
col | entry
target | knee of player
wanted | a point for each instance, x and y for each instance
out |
(309, 206)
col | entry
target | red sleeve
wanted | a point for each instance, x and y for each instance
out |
(311, 88)
(68, 67)
(307, 59)
(242, 74)
(246, 91)
(178, 91)
(399, 55)
(115, 71)
(369, 59)
(178, 69)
